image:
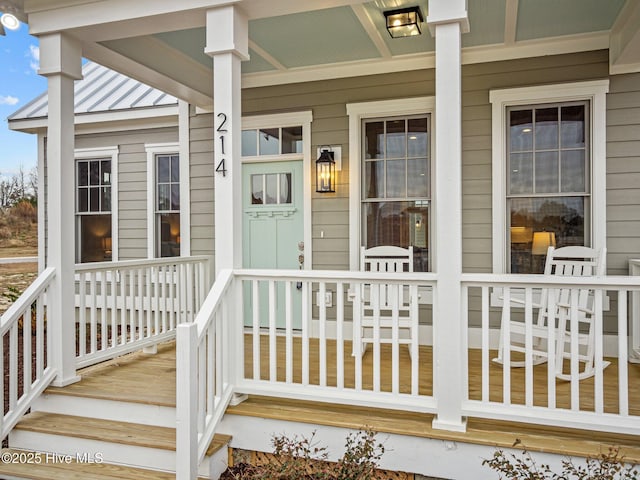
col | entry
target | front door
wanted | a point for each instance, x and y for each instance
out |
(272, 231)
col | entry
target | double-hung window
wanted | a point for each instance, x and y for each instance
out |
(167, 205)
(94, 188)
(548, 172)
(395, 185)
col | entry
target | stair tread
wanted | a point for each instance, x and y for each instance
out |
(49, 469)
(126, 433)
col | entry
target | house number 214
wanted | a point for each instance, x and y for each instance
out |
(222, 130)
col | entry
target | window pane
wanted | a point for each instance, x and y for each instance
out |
(292, 140)
(396, 179)
(417, 143)
(94, 199)
(573, 123)
(249, 143)
(169, 234)
(398, 223)
(272, 188)
(563, 216)
(163, 168)
(396, 139)
(521, 130)
(374, 179)
(546, 128)
(547, 172)
(374, 140)
(83, 173)
(572, 173)
(94, 172)
(83, 199)
(95, 240)
(175, 168)
(106, 172)
(256, 190)
(164, 195)
(285, 188)
(175, 196)
(269, 141)
(106, 199)
(521, 173)
(417, 178)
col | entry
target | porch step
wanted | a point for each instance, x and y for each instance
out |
(124, 443)
(52, 468)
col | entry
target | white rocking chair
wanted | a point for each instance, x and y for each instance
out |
(573, 261)
(380, 307)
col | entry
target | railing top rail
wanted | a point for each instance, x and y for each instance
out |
(26, 299)
(211, 303)
(345, 276)
(540, 281)
(145, 262)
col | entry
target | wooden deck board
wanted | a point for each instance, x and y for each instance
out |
(151, 379)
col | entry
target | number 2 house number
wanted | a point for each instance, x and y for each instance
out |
(222, 129)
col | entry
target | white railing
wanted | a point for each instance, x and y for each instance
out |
(289, 333)
(23, 333)
(125, 306)
(203, 371)
(303, 347)
(604, 401)
(634, 324)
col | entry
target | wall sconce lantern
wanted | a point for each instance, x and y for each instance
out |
(404, 22)
(326, 172)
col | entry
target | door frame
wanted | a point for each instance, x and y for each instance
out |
(291, 119)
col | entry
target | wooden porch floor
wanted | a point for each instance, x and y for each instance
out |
(150, 379)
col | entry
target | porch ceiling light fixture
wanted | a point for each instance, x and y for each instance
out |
(326, 171)
(404, 22)
(10, 21)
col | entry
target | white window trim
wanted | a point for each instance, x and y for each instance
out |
(595, 92)
(383, 108)
(152, 150)
(290, 119)
(105, 152)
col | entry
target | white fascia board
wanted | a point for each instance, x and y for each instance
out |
(108, 121)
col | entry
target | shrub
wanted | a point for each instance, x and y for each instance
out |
(606, 466)
(25, 210)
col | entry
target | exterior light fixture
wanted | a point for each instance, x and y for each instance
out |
(326, 172)
(404, 22)
(10, 21)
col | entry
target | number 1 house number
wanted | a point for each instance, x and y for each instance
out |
(221, 168)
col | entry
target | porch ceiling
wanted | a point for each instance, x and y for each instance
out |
(318, 39)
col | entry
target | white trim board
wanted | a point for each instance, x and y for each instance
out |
(595, 92)
(384, 108)
(103, 152)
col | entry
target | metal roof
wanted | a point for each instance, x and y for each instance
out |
(101, 90)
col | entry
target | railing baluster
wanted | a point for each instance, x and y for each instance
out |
(506, 349)
(164, 294)
(82, 317)
(415, 346)
(149, 301)
(273, 357)
(395, 295)
(623, 375)
(40, 338)
(552, 348)
(377, 293)
(306, 289)
(114, 308)
(140, 302)
(123, 311)
(574, 348)
(357, 335)
(485, 342)
(103, 311)
(13, 366)
(94, 311)
(528, 341)
(132, 305)
(26, 351)
(288, 333)
(322, 341)
(340, 335)
(255, 290)
(598, 390)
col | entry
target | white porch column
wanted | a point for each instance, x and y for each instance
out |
(447, 19)
(228, 44)
(60, 62)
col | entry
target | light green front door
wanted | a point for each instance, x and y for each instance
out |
(272, 231)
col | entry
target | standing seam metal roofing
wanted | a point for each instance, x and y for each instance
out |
(101, 90)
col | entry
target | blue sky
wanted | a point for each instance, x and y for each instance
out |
(19, 84)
